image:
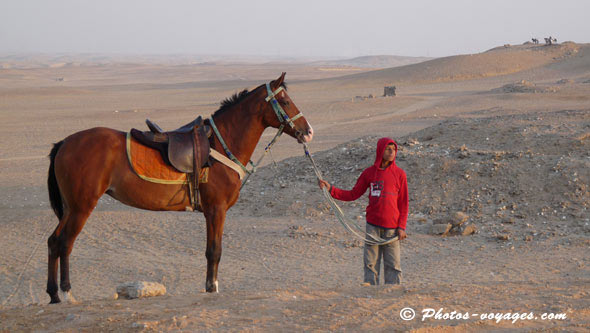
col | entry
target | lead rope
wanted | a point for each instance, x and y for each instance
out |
(348, 224)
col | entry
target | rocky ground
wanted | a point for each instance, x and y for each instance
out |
(518, 177)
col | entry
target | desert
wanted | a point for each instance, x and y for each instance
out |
(501, 136)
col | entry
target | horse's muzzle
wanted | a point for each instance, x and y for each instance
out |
(305, 137)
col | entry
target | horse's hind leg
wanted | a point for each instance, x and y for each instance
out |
(60, 245)
(73, 226)
(53, 254)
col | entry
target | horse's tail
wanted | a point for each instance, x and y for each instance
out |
(52, 186)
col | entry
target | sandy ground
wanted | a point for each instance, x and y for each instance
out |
(512, 155)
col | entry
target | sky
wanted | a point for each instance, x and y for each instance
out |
(303, 28)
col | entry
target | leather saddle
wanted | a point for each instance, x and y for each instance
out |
(182, 147)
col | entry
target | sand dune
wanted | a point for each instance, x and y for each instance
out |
(495, 62)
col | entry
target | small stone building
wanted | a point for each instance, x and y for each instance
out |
(389, 91)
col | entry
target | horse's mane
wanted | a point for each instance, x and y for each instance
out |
(237, 98)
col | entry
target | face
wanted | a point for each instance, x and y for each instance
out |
(302, 131)
(389, 153)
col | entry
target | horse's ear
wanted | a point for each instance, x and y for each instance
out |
(277, 83)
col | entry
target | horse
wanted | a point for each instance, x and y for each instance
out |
(90, 163)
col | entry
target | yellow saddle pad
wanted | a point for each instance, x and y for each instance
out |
(149, 165)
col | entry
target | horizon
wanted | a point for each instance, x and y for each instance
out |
(327, 29)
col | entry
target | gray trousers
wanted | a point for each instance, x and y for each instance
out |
(391, 257)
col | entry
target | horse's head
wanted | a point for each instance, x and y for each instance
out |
(279, 110)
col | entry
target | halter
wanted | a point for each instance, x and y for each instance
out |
(281, 114)
(283, 119)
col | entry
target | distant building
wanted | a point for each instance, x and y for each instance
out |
(389, 91)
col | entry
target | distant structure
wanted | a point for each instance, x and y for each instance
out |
(535, 41)
(389, 91)
(550, 40)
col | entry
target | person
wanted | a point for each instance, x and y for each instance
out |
(386, 214)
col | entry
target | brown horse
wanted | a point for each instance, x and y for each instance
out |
(87, 164)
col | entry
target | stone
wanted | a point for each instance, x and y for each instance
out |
(459, 218)
(140, 289)
(440, 229)
(528, 238)
(463, 154)
(469, 230)
(504, 237)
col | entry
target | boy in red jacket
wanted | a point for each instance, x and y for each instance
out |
(387, 212)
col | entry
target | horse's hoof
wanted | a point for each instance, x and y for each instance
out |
(212, 287)
(68, 297)
(54, 299)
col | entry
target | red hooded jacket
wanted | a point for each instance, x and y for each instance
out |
(388, 200)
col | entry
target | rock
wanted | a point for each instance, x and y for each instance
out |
(469, 230)
(509, 220)
(504, 237)
(440, 229)
(459, 218)
(140, 289)
(528, 238)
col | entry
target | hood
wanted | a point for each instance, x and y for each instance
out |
(381, 144)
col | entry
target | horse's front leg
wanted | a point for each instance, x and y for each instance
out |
(215, 217)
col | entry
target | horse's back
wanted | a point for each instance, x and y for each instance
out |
(97, 135)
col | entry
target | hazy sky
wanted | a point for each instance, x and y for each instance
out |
(285, 28)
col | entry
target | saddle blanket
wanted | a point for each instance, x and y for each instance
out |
(149, 165)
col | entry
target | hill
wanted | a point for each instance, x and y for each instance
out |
(494, 62)
(377, 61)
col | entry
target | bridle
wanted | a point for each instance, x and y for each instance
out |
(281, 114)
(284, 120)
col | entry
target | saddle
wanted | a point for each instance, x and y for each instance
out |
(178, 147)
(186, 149)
